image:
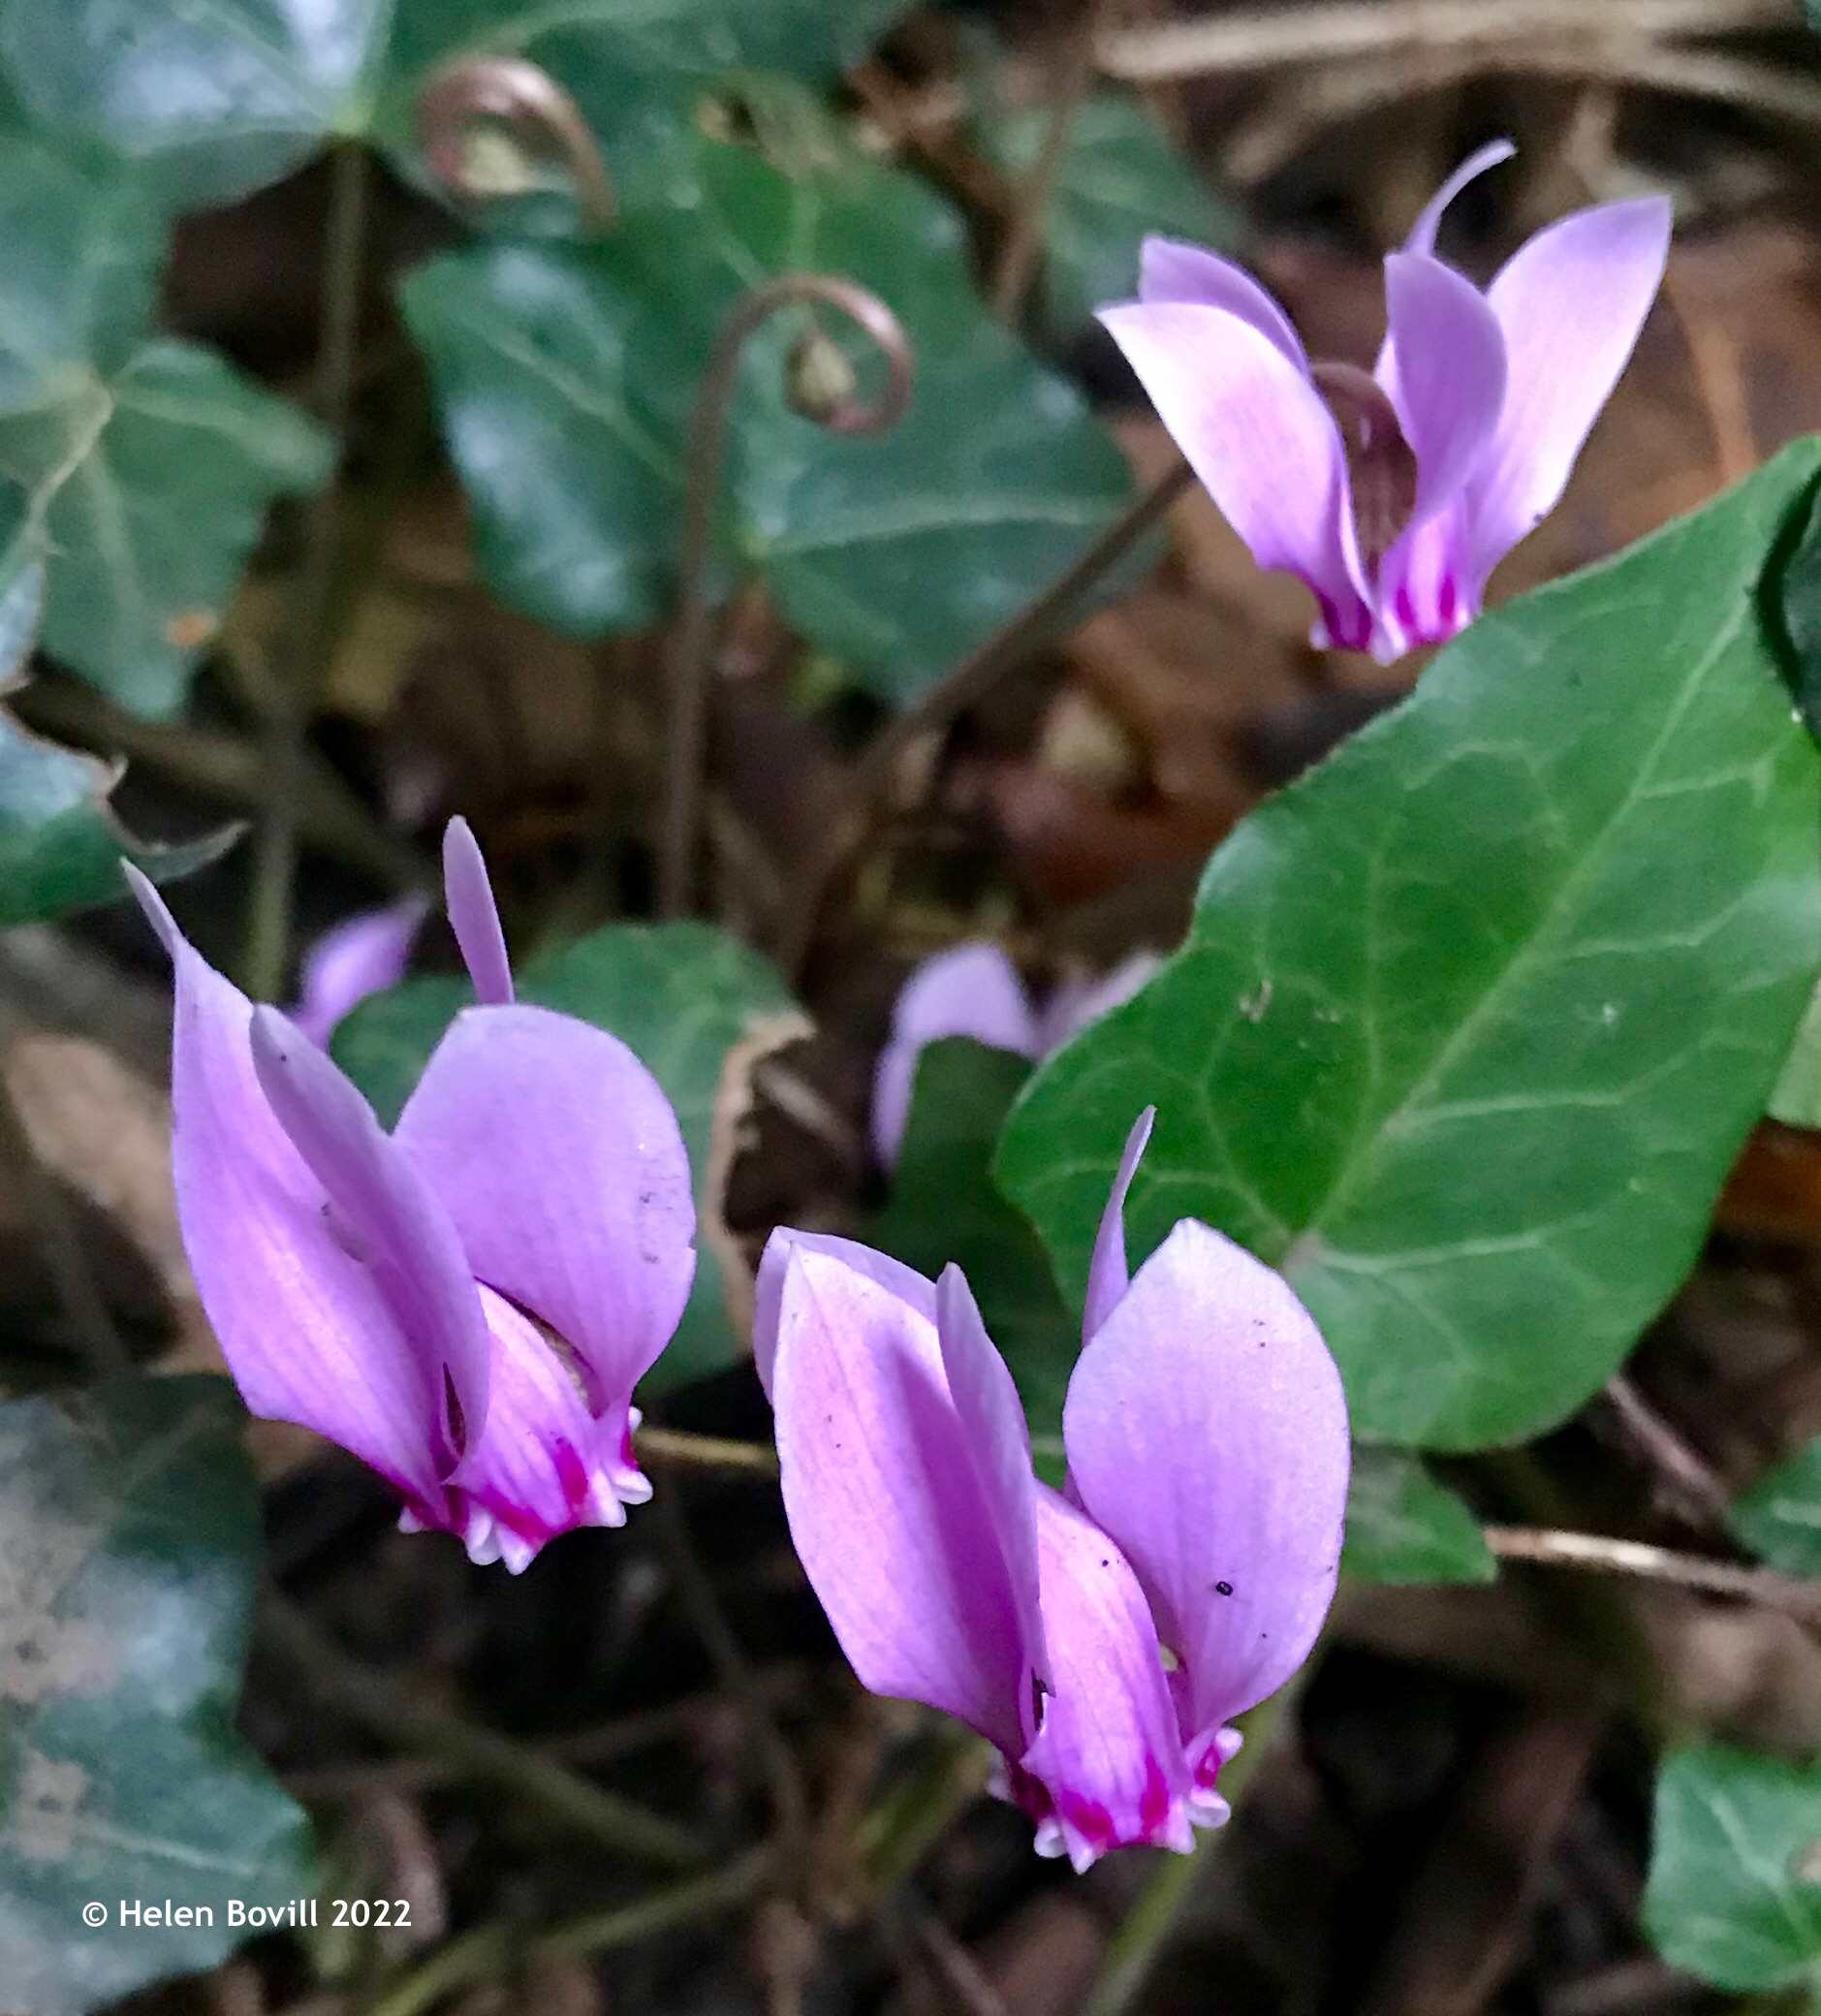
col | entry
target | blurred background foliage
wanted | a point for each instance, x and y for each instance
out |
(349, 353)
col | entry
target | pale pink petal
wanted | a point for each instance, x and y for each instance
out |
(995, 1431)
(1446, 372)
(1170, 271)
(558, 1158)
(1077, 1003)
(971, 989)
(1423, 232)
(1261, 439)
(1107, 1276)
(1572, 303)
(304, 1325)
(1206, 1431)
(893, 1276)
(362, 957)
(544, 1464)
(1107, 1769)
(474, 916)
(885, 1502)
(377, 1206)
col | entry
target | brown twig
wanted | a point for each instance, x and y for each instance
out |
(1255, 39)
(374, 1703)
(1688, 1478)
(1071, 84)
(85, 1310)
(307, 640)
(1038, 623)
(491, 1951)
(705, 1452)
(1605, 1556)
(691, 655)
(518, 93)
(789, 1802)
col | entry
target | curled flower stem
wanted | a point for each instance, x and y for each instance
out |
(1795, 1596)
(1038, 623)
(516, 93)
(691, 663)
(588, 1809)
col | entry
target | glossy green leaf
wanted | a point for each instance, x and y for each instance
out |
(1779, 1518)
(944, 1207)
(1735, 1887)
(1473, 1018)
(690, 1002)
(1405, 1527)
(61, 845)
(159, 479)
(565, 378)
(126, 1596)
(1121, 179)
(216, 100)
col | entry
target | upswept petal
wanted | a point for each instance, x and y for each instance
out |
(362, 957)
(972, 989)
(474, 916)
(893, 1276)
(544, 1464)
(885, 1503)
(1430, 585)
(558, 1157)
(1449, 373)
(377, 1204)
(304, 1325)
(994, 1429)
(1572, 303)
(1206, 1431)
(1075, 1003)
(1108, 1276)
(1261, 439)
(1423, 232)
(1171, 270)
(1107, 1759)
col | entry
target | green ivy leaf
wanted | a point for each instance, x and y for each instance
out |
(61, 845)
(126, 1597)
(1121, 179)
(1473, 1019)
(565, 378)
(1734, 1892)
(1404, 1526)
(265, 82)
(1779, 1518)
(944, 1207)
(693, 1004)
(159, 478)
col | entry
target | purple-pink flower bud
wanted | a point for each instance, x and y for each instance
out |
(1492, 393)
(1206, 1433)
(467, 1303)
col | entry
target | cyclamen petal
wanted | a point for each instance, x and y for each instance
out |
(561, 1162)
(974, 990)
(1229, 1495)
(1207, 1439)
(386, 1291)
(1495, 392)
(362, 957)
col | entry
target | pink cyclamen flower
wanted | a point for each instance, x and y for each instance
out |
(1467, 430)
(974, 990)
(362, 957)
(1207, 1440)
(466, 1302)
